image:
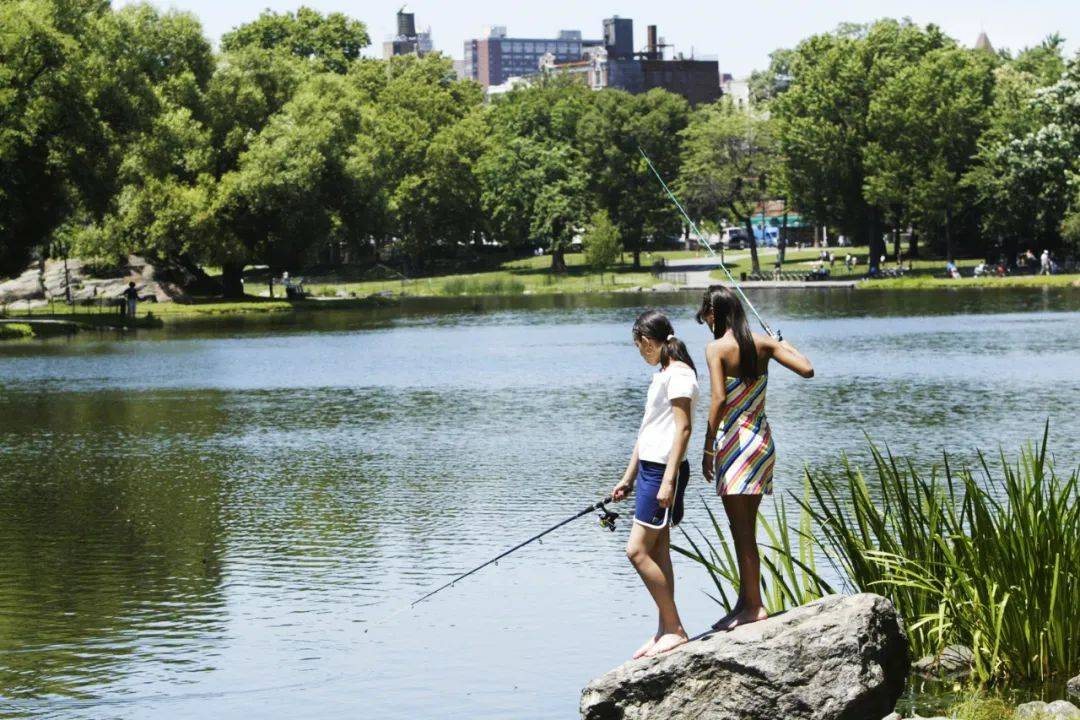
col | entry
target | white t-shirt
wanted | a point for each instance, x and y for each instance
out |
(657, 432)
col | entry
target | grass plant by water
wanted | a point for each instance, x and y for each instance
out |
(989, 559)
(483, 286)
(15, 331)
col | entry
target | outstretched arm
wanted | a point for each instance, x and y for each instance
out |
(787, 355)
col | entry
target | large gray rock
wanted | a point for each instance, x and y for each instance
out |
(1074, 687)
(954, 662)
(1057, 710)
(840, 658)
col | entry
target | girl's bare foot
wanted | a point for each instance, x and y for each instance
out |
(745, 617)
(721, 624)
(646, 647)
(667, 642)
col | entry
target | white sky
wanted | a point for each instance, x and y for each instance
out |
(739, 34)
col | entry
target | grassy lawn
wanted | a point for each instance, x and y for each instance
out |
(924, 274)
(1012, 281)
(527, 275)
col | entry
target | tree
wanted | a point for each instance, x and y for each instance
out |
(925, 123)
(822, 118)
(610, 134)
(728, 157)
(1028, 156)
(773, 81)
(290, 186)
(439, 204)
(48, 124)
(601, 242)
(417, 155)
(333, 40)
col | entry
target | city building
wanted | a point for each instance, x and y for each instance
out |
(408, 41)
(615, 64)
(494, 58)
(737, 90)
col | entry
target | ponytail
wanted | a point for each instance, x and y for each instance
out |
(654, 325)
(728, 314)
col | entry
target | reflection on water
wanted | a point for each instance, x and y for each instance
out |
(205, 518)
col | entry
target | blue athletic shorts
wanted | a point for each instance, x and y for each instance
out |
(647, 510)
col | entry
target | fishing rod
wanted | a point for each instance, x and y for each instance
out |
(607, 520)
(701, 241)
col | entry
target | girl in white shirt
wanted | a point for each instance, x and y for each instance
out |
(659, 470)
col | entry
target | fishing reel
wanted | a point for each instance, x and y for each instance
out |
(608, 518)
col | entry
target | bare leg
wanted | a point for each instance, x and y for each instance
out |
(661, 553)
(737, 540)
(743, 510)
(642, 550)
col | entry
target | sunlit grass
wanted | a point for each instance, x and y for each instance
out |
(15, 331)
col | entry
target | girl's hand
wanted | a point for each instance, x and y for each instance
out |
(707, 467)
(622, 490)
(666, 493)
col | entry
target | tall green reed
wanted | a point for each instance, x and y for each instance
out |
(991, 561)
(789, 570)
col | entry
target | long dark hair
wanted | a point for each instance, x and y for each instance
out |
(655, 325)
(727, 314)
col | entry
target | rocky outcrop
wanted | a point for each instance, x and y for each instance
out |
(37, 285)
(840, 658)
(953, 663)
(1057, 710)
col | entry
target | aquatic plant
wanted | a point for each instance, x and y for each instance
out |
(988, 560)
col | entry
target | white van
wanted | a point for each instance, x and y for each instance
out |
(733, 238)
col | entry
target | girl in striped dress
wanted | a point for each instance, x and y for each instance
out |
(739, 450)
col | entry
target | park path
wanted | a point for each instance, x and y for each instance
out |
(697, 270)
(695, 273)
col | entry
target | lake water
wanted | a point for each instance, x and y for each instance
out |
(223, 521)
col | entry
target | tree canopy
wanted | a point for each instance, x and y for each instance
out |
(122, 131)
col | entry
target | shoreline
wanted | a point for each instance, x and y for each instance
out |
(166, 313)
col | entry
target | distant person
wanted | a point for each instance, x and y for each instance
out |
(832, 259)
(1044, 263)
(131, 298)
(658, 471)
(739, 450)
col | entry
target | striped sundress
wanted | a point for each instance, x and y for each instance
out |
(744, 448)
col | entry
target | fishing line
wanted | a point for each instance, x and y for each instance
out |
(703, 243)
